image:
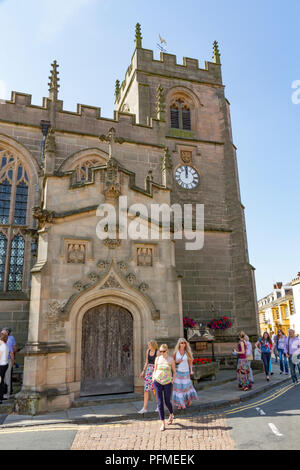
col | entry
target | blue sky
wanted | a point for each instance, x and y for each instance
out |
(92, 41)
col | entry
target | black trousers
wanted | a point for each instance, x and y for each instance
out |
(266, 356)
(3, 369)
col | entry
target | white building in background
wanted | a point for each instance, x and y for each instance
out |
(277, 310)
(296, 295)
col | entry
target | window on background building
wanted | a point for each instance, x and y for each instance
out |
(180, 115)
(14, 187)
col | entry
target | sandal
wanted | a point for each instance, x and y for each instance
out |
(171, 417)
(162, 428)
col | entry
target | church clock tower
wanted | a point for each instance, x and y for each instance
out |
(187, 105)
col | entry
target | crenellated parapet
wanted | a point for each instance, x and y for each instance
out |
(86, 120)
(167, 66)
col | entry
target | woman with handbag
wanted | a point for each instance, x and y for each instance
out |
(243, 369)
(163, 379)
(265, 346)
(183, 390)
(147, 373)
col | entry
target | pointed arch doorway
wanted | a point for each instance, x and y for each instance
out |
(107, 351)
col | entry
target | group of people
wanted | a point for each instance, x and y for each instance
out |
(8, 349)
(286, 348)
(169, 378)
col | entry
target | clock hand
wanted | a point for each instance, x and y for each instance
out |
(186, 171)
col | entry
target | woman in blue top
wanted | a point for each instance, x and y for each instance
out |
(280, 343)
(265, 346)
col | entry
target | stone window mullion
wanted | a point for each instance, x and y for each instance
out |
(7, 261)
(180, 115)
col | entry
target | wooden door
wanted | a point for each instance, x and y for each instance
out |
(107, 351)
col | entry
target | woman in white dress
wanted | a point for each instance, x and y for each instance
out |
(183, 390)
(4, 352)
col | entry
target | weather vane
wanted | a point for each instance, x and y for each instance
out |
(162, 44)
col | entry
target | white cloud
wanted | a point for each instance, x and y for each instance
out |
(56, 15)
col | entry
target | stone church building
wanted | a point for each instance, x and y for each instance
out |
(83, 307)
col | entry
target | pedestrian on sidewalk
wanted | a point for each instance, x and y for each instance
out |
(163, 383)
(4, 352)
(274, 338)
(292, 347)
(265, 347)
(151, 354)
(12, 346)
(249, 357)
(280, 343)
(183, 389)
(243, 369)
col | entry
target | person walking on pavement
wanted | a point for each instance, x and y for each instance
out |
(243, 369)
(274, 337)
(280, 343)
(147, 373)
(12, 346)
(183, 390)
(4, 352)
(265, 347)
(249, 352)
(292, 349)
(163, 383)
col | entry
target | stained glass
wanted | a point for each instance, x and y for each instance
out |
(16, 263)
(21, 203)
(5, 193)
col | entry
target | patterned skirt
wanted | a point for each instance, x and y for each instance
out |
(243, 374)
(148, 382)
(183, 390)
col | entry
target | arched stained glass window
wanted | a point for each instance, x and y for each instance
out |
(14, 194)
(15, 277)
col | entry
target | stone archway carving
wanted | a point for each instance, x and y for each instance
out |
(111, 288)
(111, 276)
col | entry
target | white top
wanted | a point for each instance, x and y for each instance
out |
(184, 365)
(4, 352)
(248, 348)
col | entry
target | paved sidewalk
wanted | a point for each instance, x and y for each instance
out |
(212, 396)
(209, 432)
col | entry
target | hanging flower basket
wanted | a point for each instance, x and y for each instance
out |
(188, 323)
(222, 323)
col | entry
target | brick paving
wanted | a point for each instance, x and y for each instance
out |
(208, 432)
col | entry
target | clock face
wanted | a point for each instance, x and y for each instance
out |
(187, 177)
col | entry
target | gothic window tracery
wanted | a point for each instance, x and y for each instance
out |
(180, 115)
(81, 171)
(14, 193)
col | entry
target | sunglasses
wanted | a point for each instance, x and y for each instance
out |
(163, 351)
